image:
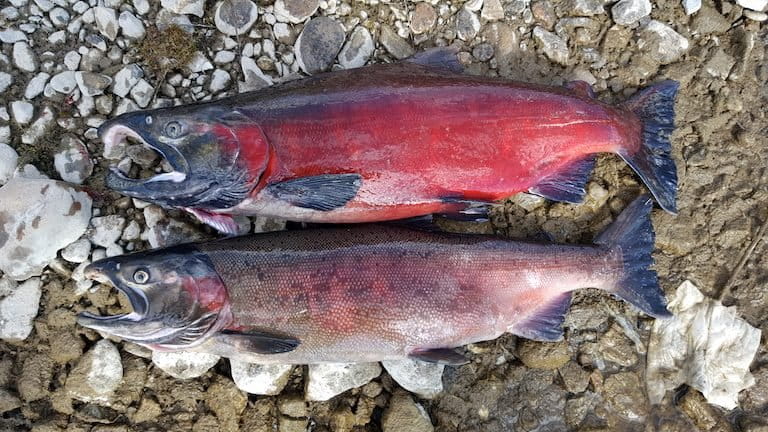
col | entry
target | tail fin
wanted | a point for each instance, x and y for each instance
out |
(632, 234)
(655, 106)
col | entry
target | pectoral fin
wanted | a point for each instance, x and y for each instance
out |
(257, 342)
(442, 58)
(441, 356)
(322, 192)
(223, 223)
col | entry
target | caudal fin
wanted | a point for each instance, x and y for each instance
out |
(653, 162)
(632, 234)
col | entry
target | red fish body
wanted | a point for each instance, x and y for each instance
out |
(394, 141)
(369, 293)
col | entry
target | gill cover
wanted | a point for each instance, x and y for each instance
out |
(177, 297)
(217, 155)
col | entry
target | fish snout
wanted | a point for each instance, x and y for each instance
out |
(101, 271)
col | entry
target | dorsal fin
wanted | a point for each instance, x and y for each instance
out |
(443, 58)
(546, 323)
(567, 184)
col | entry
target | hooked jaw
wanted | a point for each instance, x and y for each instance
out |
(103, 272)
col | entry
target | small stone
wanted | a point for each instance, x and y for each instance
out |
(39, 127)
(8, 160)
(295, 11)
(467, 24)
(106, 229)
(199, 63)
(185, 7)
(691, 6)
(73, 163)
(125, 79)
(394, 44)
(8, 401)
(327, 380)
(11, 35)
(22, 112)
(358, 48)
(755, 5)
(184, 364)
(492, 10)
(260, 379)
(18, 309)
(318, 44)
(59, 16)
(235, 17)
(78, 251)
(97, 375)
(544, 13)
(627, 12)
(755, 15)
(5, 81)
(220, 80)
(141, 6)
(23, 57)
(543, 355)
(166, 19)
(403, 414)
(720, 64)
(624, 394)
(664, 44)
(64, 82)
(554, 46)
(586, 7)
(72, 60)
(92, 84)
(424, 379)
(106, 21)
(148, 410)
(423, 18)
(142, 93)
(224, 57)
(36, 211)
(483, 52)
(131, 26)
(292, 406)
(575, 378)
(132, 231)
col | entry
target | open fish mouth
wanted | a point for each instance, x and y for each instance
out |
(115, 134)
(137, 298)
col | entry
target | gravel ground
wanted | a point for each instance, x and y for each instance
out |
(66, 66)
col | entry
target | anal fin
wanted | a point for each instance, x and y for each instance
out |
(546, 323)
(323, 192)
(440, 356)
(568, 184)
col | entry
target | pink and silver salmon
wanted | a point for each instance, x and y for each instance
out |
(369, 293)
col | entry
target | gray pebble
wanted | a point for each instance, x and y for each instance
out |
(318, 44)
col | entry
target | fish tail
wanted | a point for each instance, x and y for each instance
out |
(655, 106)
(632, 235)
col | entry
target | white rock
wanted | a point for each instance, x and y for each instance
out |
(467, 24)
(260, 379)
(554, 47)
(492, 10)
(78, 251)
(755, 5)
(199, 63)
(357, 50)
(64, 82)
(39, 127)
(10, 13)
(45, 5)
(22, 112)
(7, 285)
(82, 284)
(5, 81)
(35, 210)
(254, 76)
(11, 35)
(91, 83)
(327, 380)
(106, 229)
(59, 16)
(36, 85)
(705, 345)
(224, 57)
(297, 13)
(184, 364)
(691, 6)
(424, 379)
(627, 12)
(73, 163)
(132, 27)
(106, 21)
(125, 79)
(5, 134)
(23, 57)
(185, 7)
(97, 375)
(132, 231)
(142, 93)
(235, 17)
(755, 15)
(141, 6)
(18, 309)
(29, 172)
(8, 160)
(219, 81)
(72, 60)
(666, 45)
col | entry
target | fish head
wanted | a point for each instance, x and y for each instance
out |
(216, 155)
(178, 298)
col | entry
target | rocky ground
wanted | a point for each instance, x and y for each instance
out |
(66, 66)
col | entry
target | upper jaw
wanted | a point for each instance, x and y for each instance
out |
(104, 272)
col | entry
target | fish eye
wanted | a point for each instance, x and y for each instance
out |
(148, 120)
(141, 276)
(173, 129)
